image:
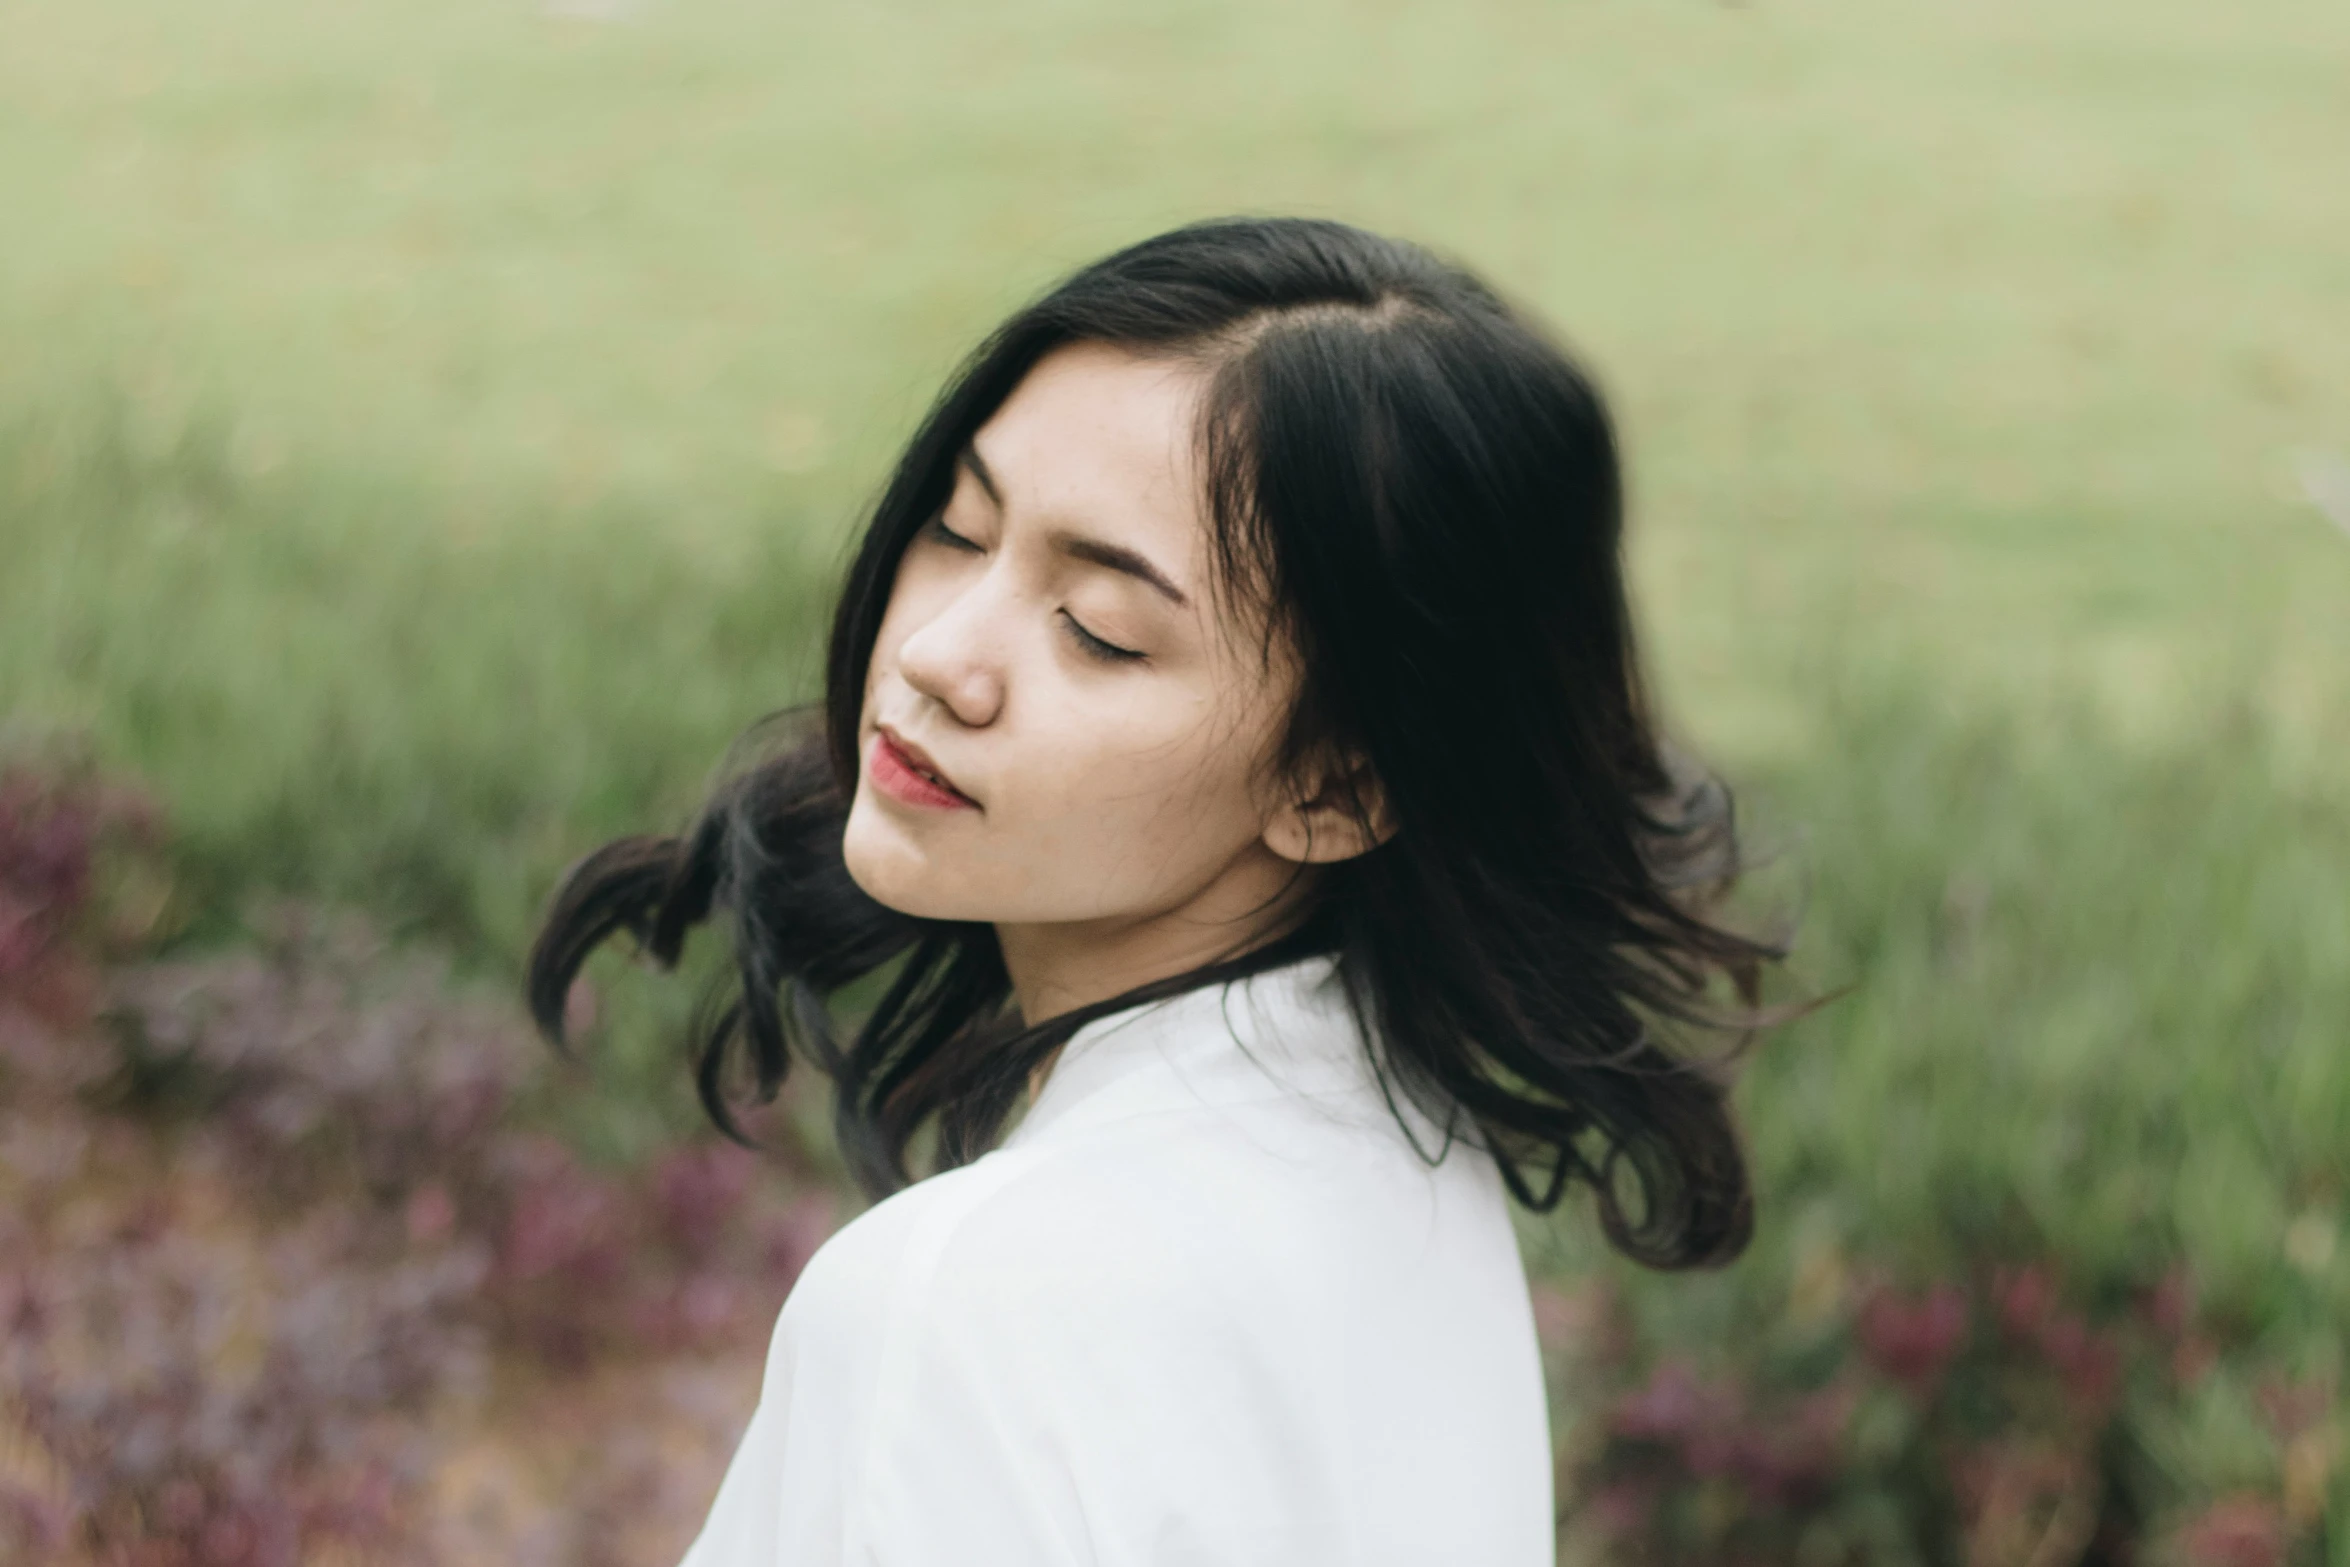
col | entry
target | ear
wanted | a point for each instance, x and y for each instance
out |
(1347, 816)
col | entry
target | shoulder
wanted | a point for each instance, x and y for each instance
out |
(1064, 1360)
(1155, 1223)
(1091, 1222)
(1052, 1354)
(1098, 1251)
(1240, 1225)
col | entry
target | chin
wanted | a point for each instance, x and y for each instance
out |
(896, 871)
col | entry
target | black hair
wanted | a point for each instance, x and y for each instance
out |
(1421, 491)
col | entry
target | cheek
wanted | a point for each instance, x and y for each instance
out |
(1155, 785)
(1114, 809)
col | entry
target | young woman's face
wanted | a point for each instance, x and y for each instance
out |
(1054, 654)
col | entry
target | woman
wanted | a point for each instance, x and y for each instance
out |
(1233, 732)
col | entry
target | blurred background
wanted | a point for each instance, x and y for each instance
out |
(428, 434)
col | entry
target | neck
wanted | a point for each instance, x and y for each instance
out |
(1059, 967)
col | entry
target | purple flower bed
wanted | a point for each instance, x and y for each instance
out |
(1989, 1420)
(274, 1228)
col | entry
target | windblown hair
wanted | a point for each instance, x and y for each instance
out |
(1420, 493)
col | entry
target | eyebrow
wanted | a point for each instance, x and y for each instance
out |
(1078, 546)
(1117, 557)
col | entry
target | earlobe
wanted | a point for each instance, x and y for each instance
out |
(1339, 823)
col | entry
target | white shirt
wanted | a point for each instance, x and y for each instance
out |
(1205, 1305)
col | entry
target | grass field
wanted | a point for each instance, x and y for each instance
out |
(1986, 342)
(425, 432)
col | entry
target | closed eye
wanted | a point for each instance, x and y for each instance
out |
(937, 528)
(1095, 648)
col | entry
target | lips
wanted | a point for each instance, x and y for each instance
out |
(906, 773)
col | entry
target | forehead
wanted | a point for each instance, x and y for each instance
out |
(1101, 440)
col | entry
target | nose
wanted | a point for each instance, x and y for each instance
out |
(953, 658)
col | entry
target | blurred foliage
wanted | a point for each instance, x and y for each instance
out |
(2054, 1259)
(343, 701)
(1949, 318)
(276, 1245)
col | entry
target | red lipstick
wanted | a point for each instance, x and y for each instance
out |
(906, 774)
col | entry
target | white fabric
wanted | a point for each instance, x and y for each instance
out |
(1204, 1306)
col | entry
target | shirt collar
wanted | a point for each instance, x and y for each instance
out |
(1286, 1030)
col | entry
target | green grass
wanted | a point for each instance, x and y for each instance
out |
(334, 700)
(2099, 1007)
(2098, 1023)
(1910, 287)
(1985, 339)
